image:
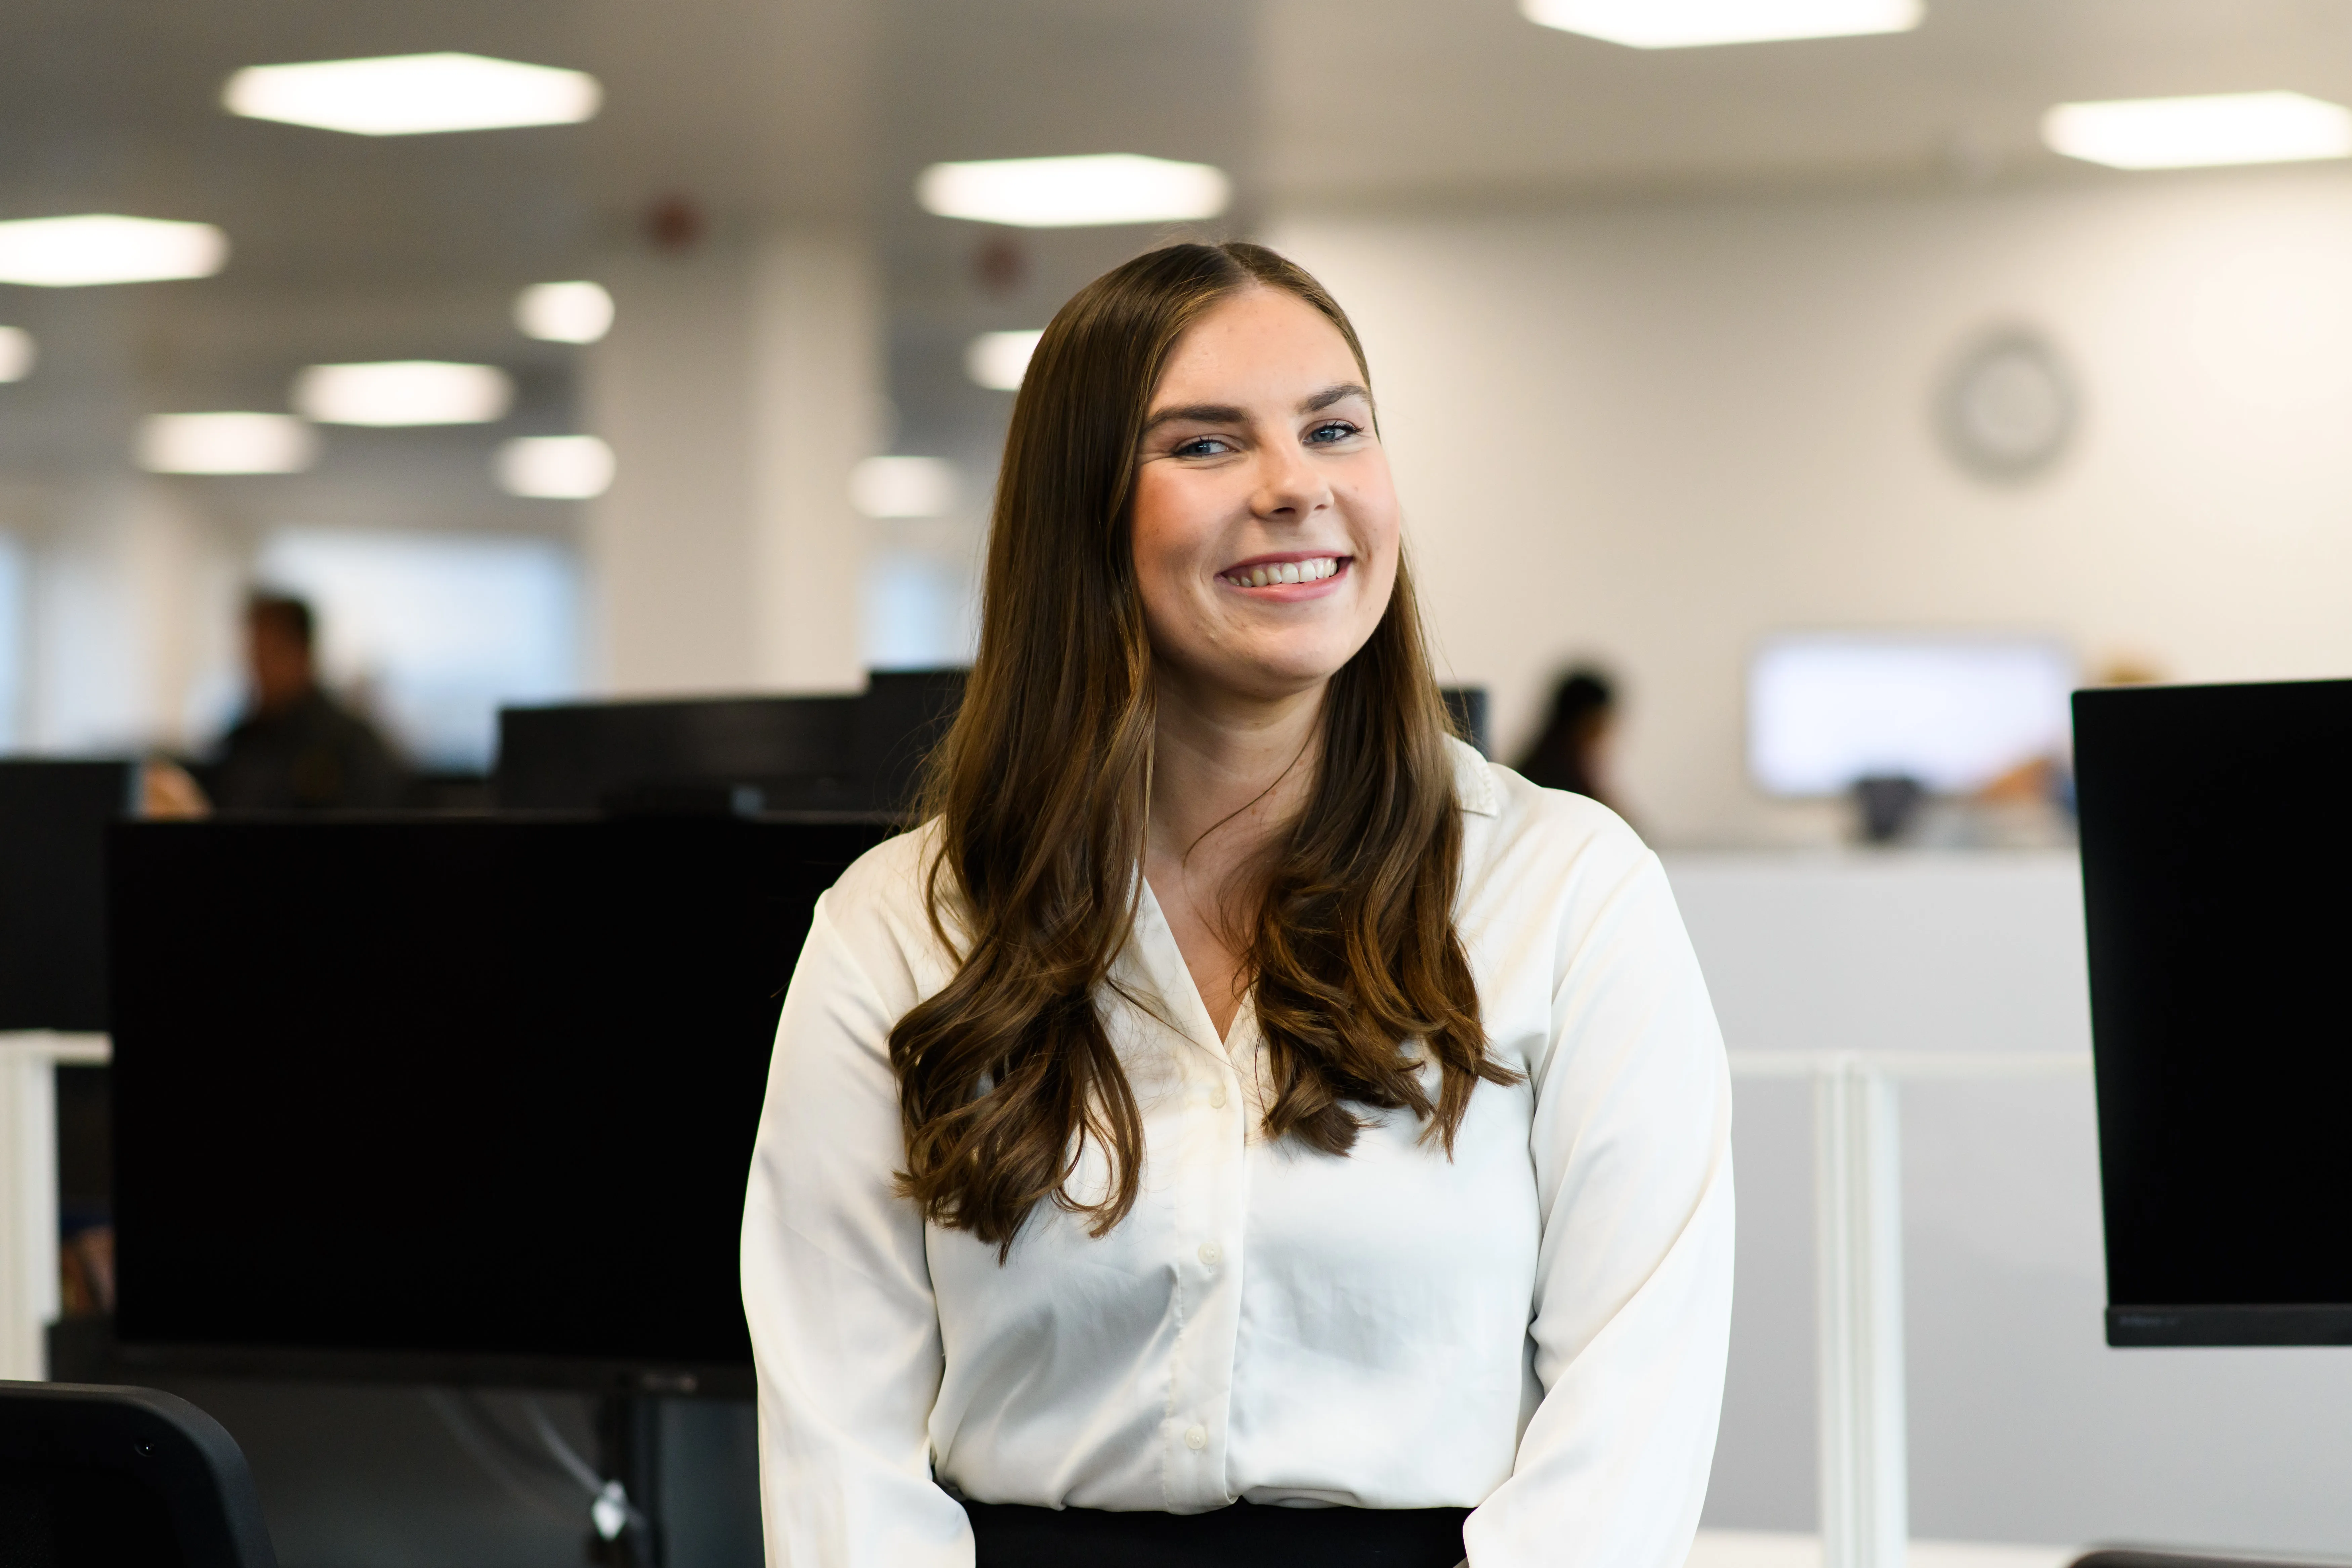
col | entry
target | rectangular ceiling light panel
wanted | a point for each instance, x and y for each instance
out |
(554, 468)
(414, 95)
(105, 247)
(226, 444)
(17, 354)
(903, 487)
(403, 392)
(564, 312)
(1691, 24)
(2200, 132)
(999, 360)
(1073, 192)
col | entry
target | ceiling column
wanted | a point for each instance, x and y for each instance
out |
(737, 389)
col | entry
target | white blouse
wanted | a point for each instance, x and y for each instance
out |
(1535, 1328)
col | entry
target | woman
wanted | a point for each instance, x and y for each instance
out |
(1568, 753)
(1237, 1093)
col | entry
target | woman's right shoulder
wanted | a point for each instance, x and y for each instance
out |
(894, 872)
(880, 911)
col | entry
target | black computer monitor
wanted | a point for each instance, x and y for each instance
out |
(53, 818)
(1468, 706)
(739, 753)
(465, 1099)
(903, 715)
(2217, 881)
(744, 754)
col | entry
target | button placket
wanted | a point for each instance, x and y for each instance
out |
(1215, 1206)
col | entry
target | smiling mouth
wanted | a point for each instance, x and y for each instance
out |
(1274, 573)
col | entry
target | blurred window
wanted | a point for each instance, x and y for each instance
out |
(918, 610)
(1952, 712)
(428, 633)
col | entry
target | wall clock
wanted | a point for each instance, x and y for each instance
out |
(2007, 408)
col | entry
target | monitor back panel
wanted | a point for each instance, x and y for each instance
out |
(2217, 874)
(863, 753)
(53, 818)
(785, 753)
(457, 1099)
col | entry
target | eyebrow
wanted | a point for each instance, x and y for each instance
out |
(1198, 414)
(1332, 394)
(1230, 413)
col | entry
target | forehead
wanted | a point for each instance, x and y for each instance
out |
(1260, 338)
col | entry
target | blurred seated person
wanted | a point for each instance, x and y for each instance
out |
(1572, 752)
(297, 748)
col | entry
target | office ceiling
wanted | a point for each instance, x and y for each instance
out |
(752, 109)
(1402, 101)
(755, 107)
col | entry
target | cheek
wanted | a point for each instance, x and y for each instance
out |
(1166, 557)
(1381, 529)
(1167, 532)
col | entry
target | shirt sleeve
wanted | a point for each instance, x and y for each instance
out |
(1631, 1149)
(844, 1330)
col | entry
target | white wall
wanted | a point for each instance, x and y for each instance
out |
(1655, 432)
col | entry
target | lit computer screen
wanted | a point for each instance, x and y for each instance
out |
(1953, 713)
(2216, 888)
(464, 1099)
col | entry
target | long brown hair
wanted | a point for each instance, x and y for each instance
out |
(1040, 791)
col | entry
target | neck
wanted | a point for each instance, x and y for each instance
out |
(1229, 772)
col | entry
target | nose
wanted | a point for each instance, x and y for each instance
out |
(1290, 489)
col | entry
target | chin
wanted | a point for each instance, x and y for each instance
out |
(1288, 672)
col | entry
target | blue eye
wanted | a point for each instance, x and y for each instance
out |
(1330, 431)
(1201, 446)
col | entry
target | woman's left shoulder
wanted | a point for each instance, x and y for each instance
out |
(1521, 831)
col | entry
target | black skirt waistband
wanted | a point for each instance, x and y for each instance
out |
(1243, 1536)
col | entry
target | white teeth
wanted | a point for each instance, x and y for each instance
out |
(1310, 571)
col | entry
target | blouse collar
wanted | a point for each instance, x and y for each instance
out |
(1473, 780)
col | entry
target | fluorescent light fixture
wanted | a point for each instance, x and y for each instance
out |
(412, 95)
(2200, 132)
(1690, 23)
(104, 247)
(226, 444)
(903, 487)
(999, 360)
(402, 392)
(564, 312)
(18, 352)
(554, 468)
(1072, 192)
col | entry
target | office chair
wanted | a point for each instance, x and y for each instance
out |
(2134, 1557)
(98, 1476)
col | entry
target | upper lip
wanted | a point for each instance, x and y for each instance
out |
(1284, 558)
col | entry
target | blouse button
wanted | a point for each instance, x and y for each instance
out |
(1211, 1254)
(1196, 1438)
(1217, 1096)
